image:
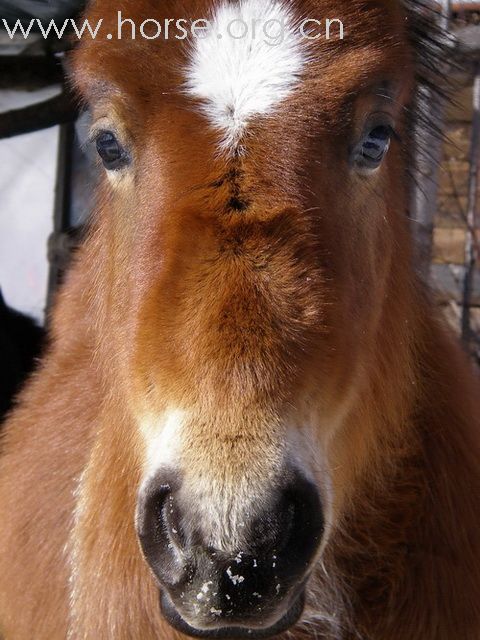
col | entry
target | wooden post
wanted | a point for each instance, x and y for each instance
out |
(428, 157)
(472, 213)
(425, 185)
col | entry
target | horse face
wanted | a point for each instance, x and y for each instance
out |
(249, 245)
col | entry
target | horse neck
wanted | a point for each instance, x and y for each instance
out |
(399, 540)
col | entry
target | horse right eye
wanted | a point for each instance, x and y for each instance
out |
(368, 155)
(111, 152)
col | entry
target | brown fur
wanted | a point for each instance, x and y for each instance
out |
(304, 300)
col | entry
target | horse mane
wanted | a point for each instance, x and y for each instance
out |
(432, 47)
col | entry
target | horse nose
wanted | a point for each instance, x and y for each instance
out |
(257, 586)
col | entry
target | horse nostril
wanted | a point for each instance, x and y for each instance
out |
(170, 518)
(302, 522)
(160, 533)
(288, 536)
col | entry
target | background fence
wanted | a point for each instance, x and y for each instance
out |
(446, 195)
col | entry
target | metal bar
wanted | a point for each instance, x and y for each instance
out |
(29, 72)
(57, 110)
(472, 213)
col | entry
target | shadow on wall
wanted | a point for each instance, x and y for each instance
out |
(21, 341)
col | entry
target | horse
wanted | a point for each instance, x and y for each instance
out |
(21, 341)
(250, 421)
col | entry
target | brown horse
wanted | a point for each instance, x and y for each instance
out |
(249, 422)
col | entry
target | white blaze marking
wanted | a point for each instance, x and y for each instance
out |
(245, 72)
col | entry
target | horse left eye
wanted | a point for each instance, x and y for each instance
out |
(369, 154)
(111, 152)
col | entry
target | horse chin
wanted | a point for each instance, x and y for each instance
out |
(230, 633)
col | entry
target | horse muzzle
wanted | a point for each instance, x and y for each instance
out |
(255, 592)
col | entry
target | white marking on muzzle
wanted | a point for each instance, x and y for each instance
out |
(240, 69)
(163, 440)
(222, 509)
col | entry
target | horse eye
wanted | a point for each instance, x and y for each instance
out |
(369, 153)
(111, 152)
